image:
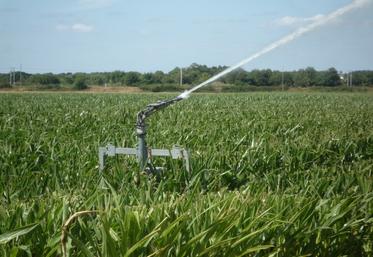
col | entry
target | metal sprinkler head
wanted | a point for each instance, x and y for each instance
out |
(143, 152)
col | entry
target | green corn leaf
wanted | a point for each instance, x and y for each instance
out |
(142, 242)
(8, 236)
(255, 249)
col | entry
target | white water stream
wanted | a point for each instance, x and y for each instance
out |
(322, 20)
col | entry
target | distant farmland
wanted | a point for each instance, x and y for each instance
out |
(273, 174)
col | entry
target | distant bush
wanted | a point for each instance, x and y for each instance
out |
(339, 89)
(4, 83)
(162, 88)
(247, 88)
(44, 79)
(80, 84)
(45, 87)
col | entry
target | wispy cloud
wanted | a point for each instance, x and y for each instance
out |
(80, 27)
(296, 21)
(221, 20)
(77, 27)
(95, 3)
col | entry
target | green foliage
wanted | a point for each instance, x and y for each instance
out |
(195, 74)
(362, 78)
(272, 174)
(261, 77)
(131, 78)
(307, 77)
(237, 77)
(162, 87)
(329, 78)
(80, 85)
(8, 236)
(80, 82)
(4, 81)
(44, 79)
(67, 78)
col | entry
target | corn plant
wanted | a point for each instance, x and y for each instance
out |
(273, 174)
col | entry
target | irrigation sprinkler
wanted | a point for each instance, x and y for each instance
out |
(144, 154)
(142, 151)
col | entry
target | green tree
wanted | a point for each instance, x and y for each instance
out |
(4, 80)
(44, 79)
(67, 78)
(329, 78)
(301, 78)
(276, 78)
(158, 76)
(131, 78)
(80, 81)
(288, 79)
(311, 74)
(173, 76)
(80, 84)
(362, 78)
(261, 77)
(237, 77)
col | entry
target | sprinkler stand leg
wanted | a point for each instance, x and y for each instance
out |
(142, 151)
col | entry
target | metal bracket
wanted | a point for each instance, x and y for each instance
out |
(174, 153)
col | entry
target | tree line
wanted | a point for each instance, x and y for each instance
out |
(193, 75)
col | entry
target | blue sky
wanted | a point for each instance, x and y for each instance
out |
(146, 35)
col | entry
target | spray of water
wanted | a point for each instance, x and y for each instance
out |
(322, 20)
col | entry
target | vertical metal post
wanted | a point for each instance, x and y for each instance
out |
(347, 79)
(142, 151)
(351, 79)
(101, 158)
(20, 74)
(181, 76)
(282, 80)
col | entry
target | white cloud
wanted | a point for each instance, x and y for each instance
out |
(77, 27)
(296, 21)
(80, 27)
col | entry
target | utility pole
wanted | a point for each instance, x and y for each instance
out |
(20, 74)
(181, 76)
(347, 79)
(282, 80)
(11, 76)
(351, 79)
(14, 75)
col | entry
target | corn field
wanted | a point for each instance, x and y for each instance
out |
(273, 174)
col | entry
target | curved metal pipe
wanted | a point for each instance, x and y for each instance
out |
(142, 149)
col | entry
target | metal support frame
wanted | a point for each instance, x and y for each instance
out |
(143, 153)
(174, 153)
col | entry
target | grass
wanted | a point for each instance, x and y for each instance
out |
(274, 174)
